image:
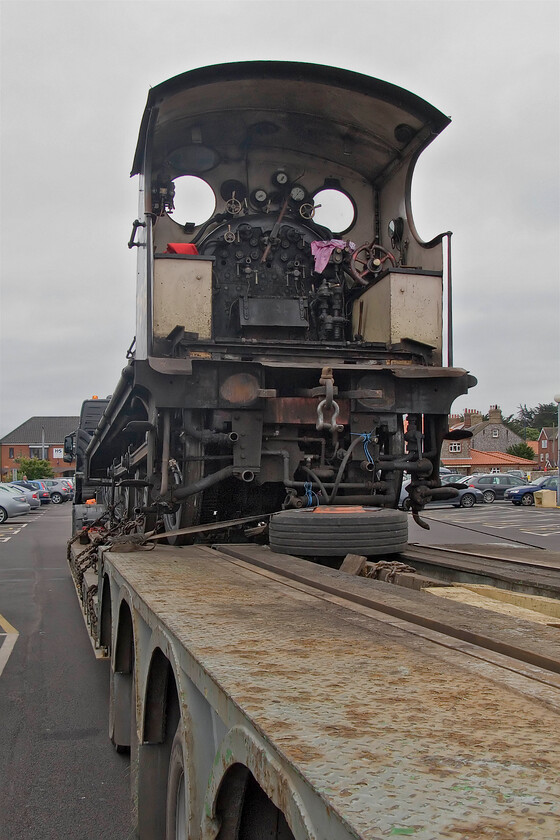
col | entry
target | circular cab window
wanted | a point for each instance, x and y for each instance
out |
(194, 200)
(335, 210)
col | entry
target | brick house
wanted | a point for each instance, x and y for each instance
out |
(38, 437)
(487, 435)
(475, 461)
(547, 453)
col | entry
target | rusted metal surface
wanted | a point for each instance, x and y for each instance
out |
(395, 734)
(542, 576)
(524, 641)
(526, 555)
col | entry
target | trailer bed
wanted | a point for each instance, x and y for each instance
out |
(393, 730)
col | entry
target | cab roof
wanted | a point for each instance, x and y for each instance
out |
(348, 118)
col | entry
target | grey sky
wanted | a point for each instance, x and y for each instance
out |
(75, 76)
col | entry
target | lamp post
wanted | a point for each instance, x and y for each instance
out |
(557, 401)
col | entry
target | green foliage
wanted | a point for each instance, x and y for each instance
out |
(544, 414)
(34, 468)
(521, 450)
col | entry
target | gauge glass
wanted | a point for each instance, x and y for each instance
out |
(260, 195)
(297, 193)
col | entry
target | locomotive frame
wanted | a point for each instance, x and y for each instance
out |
(279, 363)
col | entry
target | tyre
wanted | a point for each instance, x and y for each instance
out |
(468, 500)
(56, 498)
(3, 515)
(527, 499)
(177, 792)
(407, 504)
(327, 532)
(488, 496)
(517, 504)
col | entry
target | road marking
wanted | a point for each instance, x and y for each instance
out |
(10, 639)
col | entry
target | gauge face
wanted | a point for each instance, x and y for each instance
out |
(259, 196)
(281, 178)
(297, 193)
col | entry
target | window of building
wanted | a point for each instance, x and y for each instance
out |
(454, 447)
(544, 443)
(37, 452)
(11, 452)
(495, 433)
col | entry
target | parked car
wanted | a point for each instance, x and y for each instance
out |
(494, 485)
(31, 496)
(12, 503)
(36, 487)
(450, 478)
(59, 492)
(68, 483)
(525, 494)
(518, 473)
(465, 498)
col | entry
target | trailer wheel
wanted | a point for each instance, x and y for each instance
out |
(177, 792)
(337, 531)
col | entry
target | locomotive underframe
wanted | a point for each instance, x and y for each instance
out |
(239, 437)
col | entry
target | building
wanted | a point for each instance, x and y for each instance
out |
(490, 435)
(547, 454)
(475, 461)
(38, 437)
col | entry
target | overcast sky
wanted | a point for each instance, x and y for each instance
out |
(74, 81)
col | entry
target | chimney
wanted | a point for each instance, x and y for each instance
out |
(495, 414)
(472, 417)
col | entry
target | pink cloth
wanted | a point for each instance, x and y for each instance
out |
(322, 251)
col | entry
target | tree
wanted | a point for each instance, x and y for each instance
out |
(34, 468)
(545, 414)
(521, 450)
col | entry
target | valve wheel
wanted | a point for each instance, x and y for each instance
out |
(368, 261)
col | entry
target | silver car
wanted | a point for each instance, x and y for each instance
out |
(31, 496)
(12, 503)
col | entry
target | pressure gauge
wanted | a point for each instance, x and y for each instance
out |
(280, 178)
(259, 197)
(297, 193)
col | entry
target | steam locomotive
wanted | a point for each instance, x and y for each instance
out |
(289, 348)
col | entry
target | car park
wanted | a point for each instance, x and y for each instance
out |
(31, 496)
(466, 498)
(525, 493)
(12, 503)
(35, 487)
(494, 485)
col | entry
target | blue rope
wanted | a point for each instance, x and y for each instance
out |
(366, 437)
(309, 493)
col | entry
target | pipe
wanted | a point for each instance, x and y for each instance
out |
(208, 435)
(180, 493)
(449, 305)
(165, 453)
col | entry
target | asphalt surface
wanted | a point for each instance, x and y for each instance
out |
(500, 522)
(59, 775)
